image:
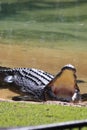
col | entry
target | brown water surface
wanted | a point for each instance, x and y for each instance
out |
(47, 59)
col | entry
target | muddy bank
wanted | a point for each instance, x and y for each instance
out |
(50, 60)
(80, 104)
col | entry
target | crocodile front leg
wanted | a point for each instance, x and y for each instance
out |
(36, 96)
(26, 98)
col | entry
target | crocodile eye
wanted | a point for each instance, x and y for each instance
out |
(9, 79)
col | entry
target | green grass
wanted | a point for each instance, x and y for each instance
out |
(44, 23)
(24, 114)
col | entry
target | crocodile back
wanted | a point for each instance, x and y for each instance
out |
(27, 80)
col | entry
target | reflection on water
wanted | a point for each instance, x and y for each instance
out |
(47, 59)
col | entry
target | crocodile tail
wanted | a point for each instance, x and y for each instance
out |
(4, 68)
(4, 71)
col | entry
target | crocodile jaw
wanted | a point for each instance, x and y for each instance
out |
(64, 84)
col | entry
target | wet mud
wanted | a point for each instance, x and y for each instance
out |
(47, 59)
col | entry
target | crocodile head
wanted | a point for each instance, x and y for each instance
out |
(64, 85)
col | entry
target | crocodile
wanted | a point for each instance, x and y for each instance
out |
(37, 85)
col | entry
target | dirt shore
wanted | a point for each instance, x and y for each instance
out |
(80, 104)
(50, 60)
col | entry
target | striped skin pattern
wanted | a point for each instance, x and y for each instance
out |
(28, 81)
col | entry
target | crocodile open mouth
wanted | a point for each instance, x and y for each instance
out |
(64, 83)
